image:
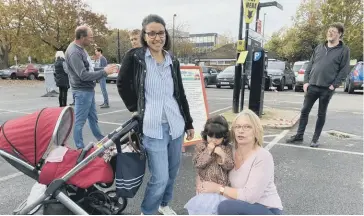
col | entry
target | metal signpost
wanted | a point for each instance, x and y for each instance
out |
(250, 8)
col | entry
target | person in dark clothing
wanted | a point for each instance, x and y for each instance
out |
(101, 62)
(62, 82)
(328, 67)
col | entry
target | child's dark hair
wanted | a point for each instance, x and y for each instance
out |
(216, 126)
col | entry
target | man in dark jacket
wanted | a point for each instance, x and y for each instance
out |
(61, 78)
(328, 67)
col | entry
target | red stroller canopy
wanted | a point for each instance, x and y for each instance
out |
(33, 136)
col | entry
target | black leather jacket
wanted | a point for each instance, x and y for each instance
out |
(130, 84)
(60, 76)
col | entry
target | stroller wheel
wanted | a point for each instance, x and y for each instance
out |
(118, 203)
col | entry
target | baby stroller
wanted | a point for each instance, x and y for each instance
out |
(82, 182)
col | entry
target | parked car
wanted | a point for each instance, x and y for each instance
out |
(209, 75)
(29, 71)
(279, 74)
(354, 80)
(227, 78)
(299, 71)
(9, 72)
(113, 77)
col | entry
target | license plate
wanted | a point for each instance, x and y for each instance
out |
(225, 83)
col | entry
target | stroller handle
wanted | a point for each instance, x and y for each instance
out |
(117, 137)
(117, 130)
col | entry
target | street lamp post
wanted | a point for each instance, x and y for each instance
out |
(174, 17)
(119, 58)
(263, 29)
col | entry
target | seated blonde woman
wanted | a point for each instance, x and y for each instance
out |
(252, 190)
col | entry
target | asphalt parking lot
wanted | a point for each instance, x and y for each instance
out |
(326, 180)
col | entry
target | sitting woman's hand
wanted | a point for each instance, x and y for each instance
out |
(209, 187)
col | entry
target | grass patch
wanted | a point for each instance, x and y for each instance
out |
(339, 134)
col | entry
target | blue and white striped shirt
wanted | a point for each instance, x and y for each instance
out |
(160, 104)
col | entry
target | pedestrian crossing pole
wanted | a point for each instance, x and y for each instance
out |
(119, 57)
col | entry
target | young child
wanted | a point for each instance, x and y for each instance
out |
(213, 160)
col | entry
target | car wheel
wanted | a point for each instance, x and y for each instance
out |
(13, 76)
(281, 86)
(206, 83)
(218, 86)
(31, 77)
(296, 88)
(346, 86)
(350, 88)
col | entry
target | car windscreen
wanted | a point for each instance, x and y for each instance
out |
(277, 65)
(229, 70)
(297, 67)
(305, 66)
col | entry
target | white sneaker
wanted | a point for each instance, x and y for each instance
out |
(166, 210)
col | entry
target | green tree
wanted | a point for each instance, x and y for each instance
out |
(310, 26)
(54, 21)
(12, 16)
(275, 44)
(110, 46)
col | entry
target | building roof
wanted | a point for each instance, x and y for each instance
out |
(203, 34)
(227, 51)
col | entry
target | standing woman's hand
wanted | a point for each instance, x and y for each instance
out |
(190, 134)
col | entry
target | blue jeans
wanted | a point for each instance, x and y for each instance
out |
(85, 108)
(238, 207)
(164, 157)
(103, 90)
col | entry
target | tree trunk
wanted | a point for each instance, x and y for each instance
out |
(4, 57)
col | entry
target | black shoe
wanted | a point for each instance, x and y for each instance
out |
(72, 104)
(105, 106)
(295, 139)
(314, 144)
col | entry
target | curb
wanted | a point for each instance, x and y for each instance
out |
(283, 123)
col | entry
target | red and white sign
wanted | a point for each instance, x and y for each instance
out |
(259, 27)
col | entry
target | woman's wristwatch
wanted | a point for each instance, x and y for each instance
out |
(222, 190)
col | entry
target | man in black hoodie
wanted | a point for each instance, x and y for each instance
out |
(328, 67)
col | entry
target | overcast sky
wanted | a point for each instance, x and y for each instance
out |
(199, 16)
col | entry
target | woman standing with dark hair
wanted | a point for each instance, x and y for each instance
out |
(150, 84)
